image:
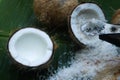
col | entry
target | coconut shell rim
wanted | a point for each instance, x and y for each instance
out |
(41, 66)
(69, 25)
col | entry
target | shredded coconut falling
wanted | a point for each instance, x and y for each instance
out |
(88, 62)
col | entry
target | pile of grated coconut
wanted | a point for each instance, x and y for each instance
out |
(88, 62)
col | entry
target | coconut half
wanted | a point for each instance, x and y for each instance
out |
(30, 47)
(86, 21)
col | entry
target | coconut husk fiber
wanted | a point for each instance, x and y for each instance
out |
(54, 12)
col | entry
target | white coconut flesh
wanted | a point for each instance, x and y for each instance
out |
(30, 47)
(87, 20)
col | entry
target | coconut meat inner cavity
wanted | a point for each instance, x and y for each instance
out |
(87, 14)
(91, 23)
(93, 27)
(30, 47)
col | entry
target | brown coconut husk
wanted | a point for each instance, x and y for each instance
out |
(54, 12)
(116, 17)
(111, 71)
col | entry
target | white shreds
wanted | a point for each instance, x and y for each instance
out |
(87, 62)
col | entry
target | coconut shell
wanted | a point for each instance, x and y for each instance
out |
(110, 72)
(116, 17)
(53, 12)
(83, 14)
(25, 67)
